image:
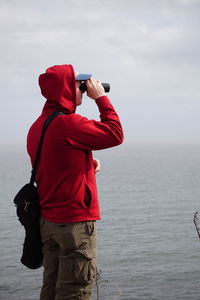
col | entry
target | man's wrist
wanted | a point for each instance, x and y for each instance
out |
(99, 98)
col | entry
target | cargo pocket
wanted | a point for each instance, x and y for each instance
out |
(84, 266)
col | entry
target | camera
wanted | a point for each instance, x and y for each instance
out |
(83, 87)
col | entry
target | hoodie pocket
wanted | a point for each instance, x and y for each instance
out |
(88, 196)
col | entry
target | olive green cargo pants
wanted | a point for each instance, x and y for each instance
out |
(69, 260)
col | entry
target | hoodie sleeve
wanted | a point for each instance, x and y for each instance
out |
(95, 135)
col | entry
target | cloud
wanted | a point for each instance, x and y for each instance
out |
(147, 50)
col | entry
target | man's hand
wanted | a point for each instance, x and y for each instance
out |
(96, 165)
(95, 89)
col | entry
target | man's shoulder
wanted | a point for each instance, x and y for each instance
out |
(76, 118)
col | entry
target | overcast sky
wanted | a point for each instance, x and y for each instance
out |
(148, 50)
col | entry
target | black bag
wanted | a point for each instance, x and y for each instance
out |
(28, 211)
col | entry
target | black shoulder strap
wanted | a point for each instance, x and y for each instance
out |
(37, 157)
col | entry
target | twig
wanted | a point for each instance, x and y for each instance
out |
(196, 223)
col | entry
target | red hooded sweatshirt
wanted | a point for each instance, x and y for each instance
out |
(65, 176)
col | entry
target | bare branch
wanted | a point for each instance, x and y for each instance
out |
(196, 223)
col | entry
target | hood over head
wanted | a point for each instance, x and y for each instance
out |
(58, 86)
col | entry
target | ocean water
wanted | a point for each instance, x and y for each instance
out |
(148, 248)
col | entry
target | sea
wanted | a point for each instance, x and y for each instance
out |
(148, 246)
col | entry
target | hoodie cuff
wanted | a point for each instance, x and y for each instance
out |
(102, 102)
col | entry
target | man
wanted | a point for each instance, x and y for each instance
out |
(66, 181)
